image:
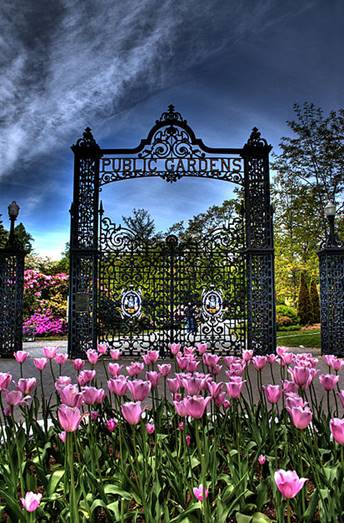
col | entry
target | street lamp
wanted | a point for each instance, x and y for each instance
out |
(13, 211)
(330, 213)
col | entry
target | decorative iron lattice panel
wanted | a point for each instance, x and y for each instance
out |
(185, 292)
(11, 301)
(332, 301)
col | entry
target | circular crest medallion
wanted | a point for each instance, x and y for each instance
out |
(131, 303)
(212, 303)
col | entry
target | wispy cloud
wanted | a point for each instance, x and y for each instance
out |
(67, 63)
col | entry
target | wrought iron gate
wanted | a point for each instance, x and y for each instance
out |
(138, 295)
(152, 293)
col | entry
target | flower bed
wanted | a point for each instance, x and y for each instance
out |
(173, 443)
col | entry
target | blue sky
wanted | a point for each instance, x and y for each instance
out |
(226, 65)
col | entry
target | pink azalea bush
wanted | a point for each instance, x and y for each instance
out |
(250, 438)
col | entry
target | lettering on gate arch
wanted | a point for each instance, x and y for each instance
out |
(171, 151)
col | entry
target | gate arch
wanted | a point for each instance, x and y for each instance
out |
(231, 286)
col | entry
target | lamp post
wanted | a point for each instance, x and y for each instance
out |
(330, 213)
(13, 211)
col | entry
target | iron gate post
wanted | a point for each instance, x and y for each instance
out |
(261, 315)
(331, 265)
(82, 329)
(12, 258)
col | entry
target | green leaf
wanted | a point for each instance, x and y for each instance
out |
(259, 517)
(242, 518)
(54, 481)
(113, 489)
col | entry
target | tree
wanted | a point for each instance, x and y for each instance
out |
(304, 310)
(309, 171)
(3, 234)
(141, 224)
(24, 237)
(315, 302)
(202, 224)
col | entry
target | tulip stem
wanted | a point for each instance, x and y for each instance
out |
(74, 507)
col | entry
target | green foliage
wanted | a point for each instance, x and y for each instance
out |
(304, 309)
(289, 313)
(315, 302)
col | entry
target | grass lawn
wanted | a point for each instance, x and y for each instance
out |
(296, 338)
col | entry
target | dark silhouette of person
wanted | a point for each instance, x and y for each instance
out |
(190, 316)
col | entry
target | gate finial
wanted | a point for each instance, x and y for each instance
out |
(171, 115)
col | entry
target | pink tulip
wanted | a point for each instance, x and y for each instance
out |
(202, 348)
(135, 368)
(115, 369)
(94, 415)
(214, 388)
(132, 412)
(71, 396)
(290, 386)
(69, 418)
(229, 360)
(115, 354)
(92, 356)
(288, 483)
(139, 389)
(102, 348)
(302, 376)
(5, 380)
(118, 386)
(62, 381)
(27, 385)
(61, 359)
(210, 360)
(49, 352)
(31, 502)
(337, 430)
(247, 355)
(151, 357)
(164, 369)
(40, 363)
(86, 376)
(294, 400)
(332, 361)
(286, 358)
(189, 351)
(63, 436)
(188, 440)
(195, 406)
(226, 404)
(180, 407)
(181, 426)
(259, 362)
(220, 399)
(175, 348)
(153, 377)
(173, 385)
(191, 364)
(21, 356)
(272, 393)
(14, 398)
(328, 381)
(150, 428)
(192, 385)
(234, 387)
(198, 492)
(301, 416)
(111, 424)
(78, 364)
(92, 395)
(261, 459)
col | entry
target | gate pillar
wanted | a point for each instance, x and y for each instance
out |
(82, 315)
(261, 315)
(11, 291)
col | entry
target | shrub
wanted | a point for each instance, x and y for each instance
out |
(286, 316)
